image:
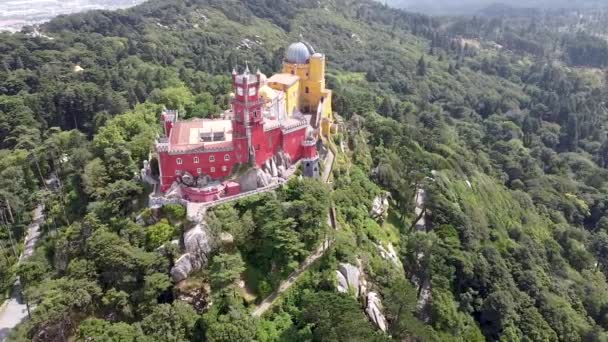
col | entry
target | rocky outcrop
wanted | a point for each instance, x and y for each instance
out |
(351, 278)
(264, 179)
(188, 179)
(198, 244)
(374, 311)
(182, 268)
(174, 192)
(380, 206)
(249, 180)
(390, 254)
(282, 159)
(420, 209)
(255, 178)
(273, 168)
(348, 278)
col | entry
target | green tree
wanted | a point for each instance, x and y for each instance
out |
(159, 234)
(226, 271)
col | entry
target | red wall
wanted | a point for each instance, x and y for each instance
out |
(196, 195)
(309, 152)
(266, 144)
(292, 143)
(168, 165)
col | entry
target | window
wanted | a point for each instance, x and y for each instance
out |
(179, 161)
(212, 169)
(224, 168)
(293, 72)
(307, 90)
(199, 170)
(239, 91)
(226, 157)
(212, 158)
(196, 160)
(178, 172)
(252, 91)
(255, 113)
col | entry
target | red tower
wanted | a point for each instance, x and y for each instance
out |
(248, 124)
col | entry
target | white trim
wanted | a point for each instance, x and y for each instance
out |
(179, 161)
(211, 158)
(224, 168)
(213, 169)
(226, 157)
(199, 170)
(196, 160)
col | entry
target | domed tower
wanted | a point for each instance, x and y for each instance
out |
(302, 60)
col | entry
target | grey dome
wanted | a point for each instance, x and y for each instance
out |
(299, 53)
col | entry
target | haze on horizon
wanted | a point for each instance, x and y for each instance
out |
(450, 7)
(14, 14)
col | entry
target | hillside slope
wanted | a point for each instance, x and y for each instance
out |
(511, 148)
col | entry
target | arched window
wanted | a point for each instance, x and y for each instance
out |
(307, 90)
(212, 158)
(212, 169)
(179, 161)
(224, 168)
(226, 157)
(196, 160)
(199, 170)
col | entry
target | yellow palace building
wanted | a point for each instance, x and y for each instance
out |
(302, 81)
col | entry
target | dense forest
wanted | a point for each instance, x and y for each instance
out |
(500, 120)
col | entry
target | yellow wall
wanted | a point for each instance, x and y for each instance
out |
(312, 77)
(292, 95)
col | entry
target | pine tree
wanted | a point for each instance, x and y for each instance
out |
(421, 67)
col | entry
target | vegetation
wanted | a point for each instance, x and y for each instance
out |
(500, 120)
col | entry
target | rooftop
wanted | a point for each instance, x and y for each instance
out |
(197, 133)
(285, 79)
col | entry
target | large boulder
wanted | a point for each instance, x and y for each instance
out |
(389, 253)
(199, 243)
(182, 268)
(374, 311)
(283, 159)
(174, 192)
(352, 275)
(249, 180)
(380, 207)
(188, 179)
(273, 168)
(264, 179)
(342, 282)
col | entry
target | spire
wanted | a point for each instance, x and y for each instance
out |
(234, 71)
(247, 67)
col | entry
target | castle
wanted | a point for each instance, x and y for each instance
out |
(276, 120)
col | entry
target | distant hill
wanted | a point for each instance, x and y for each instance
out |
(445, 7)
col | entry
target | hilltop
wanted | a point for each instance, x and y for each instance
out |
(468, 184)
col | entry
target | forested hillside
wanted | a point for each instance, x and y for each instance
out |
(505, 132)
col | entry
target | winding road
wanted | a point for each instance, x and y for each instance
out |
(13, 311)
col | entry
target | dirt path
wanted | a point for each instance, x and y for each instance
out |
(286, 284)
(13, 311)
